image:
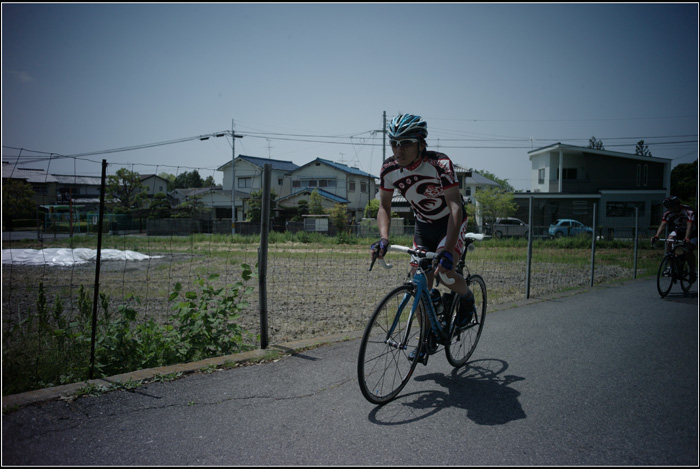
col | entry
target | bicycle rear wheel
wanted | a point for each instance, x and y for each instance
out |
(664, 278)
(463, 340)
(684, 272)
(383, 365)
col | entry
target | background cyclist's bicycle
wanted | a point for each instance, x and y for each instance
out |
(411, 323)
(674, 268)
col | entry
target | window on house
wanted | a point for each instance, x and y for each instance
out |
(569, 173)
(314, 183)
(639, 175)
(623, 209)
(363, 187)
(245, 183)
(646, 175)
(540, 176)
(351, 186)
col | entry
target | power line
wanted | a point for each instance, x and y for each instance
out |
(351, 139)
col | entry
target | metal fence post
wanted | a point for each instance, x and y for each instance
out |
(636, 233)
(97, 270)
(262, 255)
(595, 235)
(529, 250)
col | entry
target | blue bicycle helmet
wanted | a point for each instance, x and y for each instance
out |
(407, 126)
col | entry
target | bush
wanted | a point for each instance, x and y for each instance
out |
(46, 349)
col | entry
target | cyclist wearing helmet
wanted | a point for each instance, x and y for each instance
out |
(681, 221)
(427, 180)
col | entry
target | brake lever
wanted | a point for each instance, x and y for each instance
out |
(382, 262)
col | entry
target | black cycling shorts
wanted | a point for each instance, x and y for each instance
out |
(432, 236)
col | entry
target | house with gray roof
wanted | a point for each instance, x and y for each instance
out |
(619, 189)
(44, 185)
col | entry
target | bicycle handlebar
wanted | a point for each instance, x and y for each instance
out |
(676, 242)
(422, 254)
(416, 253)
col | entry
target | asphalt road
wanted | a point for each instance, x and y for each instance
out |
(604, 377)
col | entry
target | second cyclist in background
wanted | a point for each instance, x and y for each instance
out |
(682, 225)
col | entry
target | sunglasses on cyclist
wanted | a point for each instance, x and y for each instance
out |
(403, 143)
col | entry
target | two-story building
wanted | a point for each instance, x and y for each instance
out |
(336, 183)
(567, 181)
(153, 184)
(248, 176)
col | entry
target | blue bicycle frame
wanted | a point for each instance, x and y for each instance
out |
(420, 282)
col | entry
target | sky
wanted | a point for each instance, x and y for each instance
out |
(138, 84)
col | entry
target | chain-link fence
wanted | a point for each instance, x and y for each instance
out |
(316, 284)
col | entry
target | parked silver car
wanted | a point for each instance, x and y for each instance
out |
(508, 227)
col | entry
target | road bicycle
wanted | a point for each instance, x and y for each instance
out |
(410, 323)
(674, 268)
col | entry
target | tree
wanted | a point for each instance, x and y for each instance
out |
(494, 203)
(339, 218)
(160, 207)
(641, 149)
(188, 180)
(125, 191)
(316, 203)
(684, 182)
(302, 207)
(255, 205)
(191, 208)
(503, 183)
(372, 208)
(17, 201)
(595, 144)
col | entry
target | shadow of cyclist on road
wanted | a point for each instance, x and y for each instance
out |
(480, 388)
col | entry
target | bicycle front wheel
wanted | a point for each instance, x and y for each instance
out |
(664, 278)
(383, 365)
(463, 340)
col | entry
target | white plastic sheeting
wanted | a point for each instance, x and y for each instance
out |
(67, 257)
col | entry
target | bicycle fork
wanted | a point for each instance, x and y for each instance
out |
(403, 345)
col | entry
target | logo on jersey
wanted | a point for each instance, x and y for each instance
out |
(433, 191)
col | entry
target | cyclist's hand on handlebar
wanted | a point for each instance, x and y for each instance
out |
(444, 261)
(379, 248)
(654, 239)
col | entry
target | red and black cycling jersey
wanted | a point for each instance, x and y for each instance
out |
(678, 222)
(422, 184)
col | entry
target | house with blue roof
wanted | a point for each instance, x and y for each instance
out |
(249, 178)
(336, 183)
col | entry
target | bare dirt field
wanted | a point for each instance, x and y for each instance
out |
(310, 293)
